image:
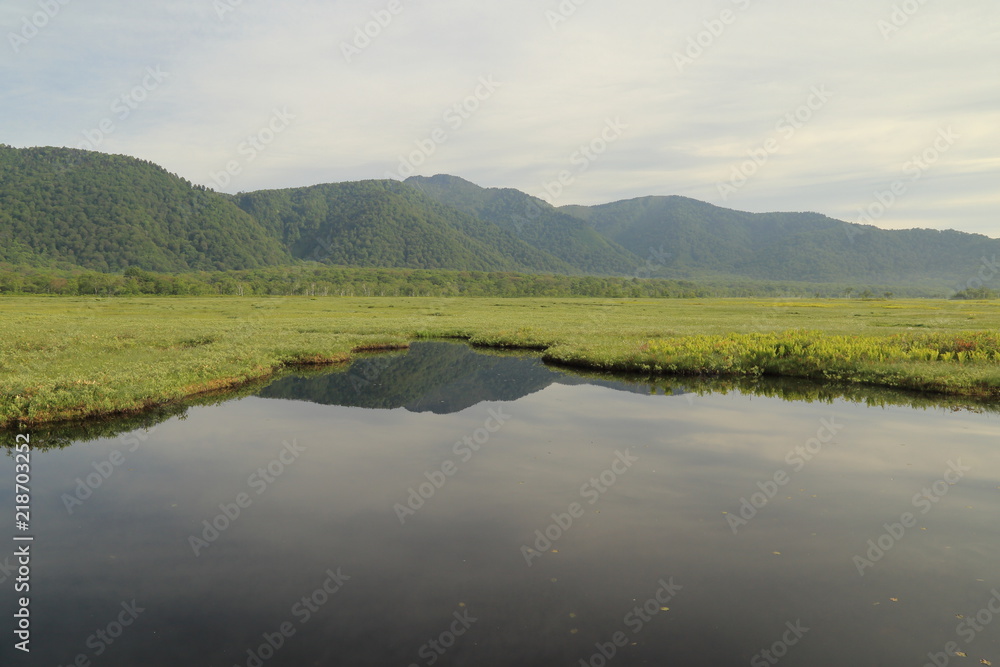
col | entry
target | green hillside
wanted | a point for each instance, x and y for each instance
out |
(67, 210)
(110, 212)
(389, 224)
(692, 238)
(534, 221)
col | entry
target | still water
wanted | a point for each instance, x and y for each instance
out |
(444, 507)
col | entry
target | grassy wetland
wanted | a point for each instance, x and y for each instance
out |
(70, 358)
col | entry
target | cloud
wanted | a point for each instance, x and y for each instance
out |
(698, 86)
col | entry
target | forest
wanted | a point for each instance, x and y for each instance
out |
(81, 222)
(317, 280)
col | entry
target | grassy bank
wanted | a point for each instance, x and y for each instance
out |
(65, 358)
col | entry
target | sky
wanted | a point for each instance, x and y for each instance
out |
(884, 112)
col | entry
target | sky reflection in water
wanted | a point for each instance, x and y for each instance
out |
(370, 435)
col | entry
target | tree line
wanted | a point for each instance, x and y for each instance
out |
(316, 280)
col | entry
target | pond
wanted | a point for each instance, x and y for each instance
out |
(447, 507)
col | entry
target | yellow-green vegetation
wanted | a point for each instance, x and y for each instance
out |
(66, 358)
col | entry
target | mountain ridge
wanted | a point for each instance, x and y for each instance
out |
(534, 221)
(111, 212)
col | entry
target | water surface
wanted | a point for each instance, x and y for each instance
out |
(639, 493)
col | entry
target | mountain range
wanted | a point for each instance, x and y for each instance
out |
(72, 208)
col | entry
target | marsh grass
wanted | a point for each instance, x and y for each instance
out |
(68, 358)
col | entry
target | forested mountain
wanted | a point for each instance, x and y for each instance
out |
(68, 210)
(390, 224)
(533, 220)
(109, 212)
(687, 238)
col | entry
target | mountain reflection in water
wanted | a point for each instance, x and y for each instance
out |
(442, 506)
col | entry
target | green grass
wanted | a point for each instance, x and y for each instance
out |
(67, 358)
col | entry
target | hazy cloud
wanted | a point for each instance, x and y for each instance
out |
(700, 86)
